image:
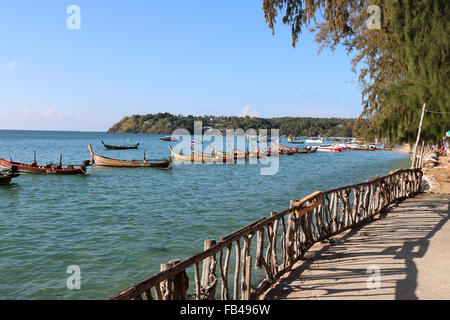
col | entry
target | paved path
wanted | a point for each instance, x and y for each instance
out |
(409, 246)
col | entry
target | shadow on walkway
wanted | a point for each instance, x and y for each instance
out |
(392, 245)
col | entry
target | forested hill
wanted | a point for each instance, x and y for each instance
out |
(166, 123)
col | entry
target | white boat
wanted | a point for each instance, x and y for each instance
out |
(341, 146)
(355, 146)
(329, 148)
(314, 140)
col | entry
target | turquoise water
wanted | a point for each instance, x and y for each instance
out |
(119, 225)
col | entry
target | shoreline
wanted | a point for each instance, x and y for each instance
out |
(404, 148)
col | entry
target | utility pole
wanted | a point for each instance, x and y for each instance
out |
(413, 165)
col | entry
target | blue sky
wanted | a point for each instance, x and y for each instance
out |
(183, 57)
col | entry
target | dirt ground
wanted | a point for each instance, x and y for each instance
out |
(439, 176)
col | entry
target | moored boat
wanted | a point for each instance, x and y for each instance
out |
(197, 157)
(110, 162)
(293, 141)
(308, 149)
(111, 147)
(168, 138)
(359, 147)
(290, 151)
(328, 148)
(7, 175)
(45, 169)
(314, 140)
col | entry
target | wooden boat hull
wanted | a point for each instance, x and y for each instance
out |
(5, 180)
(249, 155)
(198, 157)
(328, 149)
(109, 162)
(7, 175)
(168, 139)
(228, 156)
(308, 149)
(221, 157)
(29, 168)
(285, 150)
(110, 147)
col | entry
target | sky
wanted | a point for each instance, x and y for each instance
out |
(146, 56)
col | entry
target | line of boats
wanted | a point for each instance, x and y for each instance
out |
(12, 169)
(344, 146)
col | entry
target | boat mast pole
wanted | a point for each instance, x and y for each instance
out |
(34, 158)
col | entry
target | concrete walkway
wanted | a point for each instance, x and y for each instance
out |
(409, 247)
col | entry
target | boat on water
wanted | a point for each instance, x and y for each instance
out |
(329, 148)
(110, 162)
(196, 157)
(7, 175)
(359, 147)
(111, 147)
(341, 146)
(45, 169)
(247, 155)
(308, 149)
(290, 151)
(293, 141)
(168, 138)
(314, 140)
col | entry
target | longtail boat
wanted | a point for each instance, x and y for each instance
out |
(258, 154)
(308, 149)
(287, 150)
(221, 154)
(197, 157)
(291, 140)
(238, 154)
(110, 162)
(45, 169)
(7, 175)
(247, 154)
(111, 147)
(168, 138)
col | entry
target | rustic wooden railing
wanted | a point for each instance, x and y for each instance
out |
(281, 240)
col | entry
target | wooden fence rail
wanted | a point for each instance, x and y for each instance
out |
(281, 240)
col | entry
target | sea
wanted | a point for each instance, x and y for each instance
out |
(117, 225)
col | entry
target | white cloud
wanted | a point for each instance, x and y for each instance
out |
(248, 111)
(50, 113)
(12, 65)
(26, 112)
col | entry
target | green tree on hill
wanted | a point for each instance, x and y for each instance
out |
(166, 123)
